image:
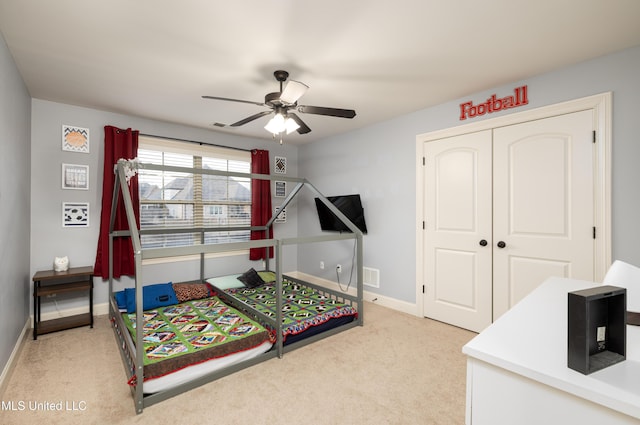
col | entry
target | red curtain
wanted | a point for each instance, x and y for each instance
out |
(118, 144)
(260, 202)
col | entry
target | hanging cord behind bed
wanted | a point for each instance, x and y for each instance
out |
(353, 260)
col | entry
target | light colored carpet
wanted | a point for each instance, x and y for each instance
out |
(396, 369)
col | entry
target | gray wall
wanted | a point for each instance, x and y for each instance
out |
(379, 163)
(50, 239)
(15, 165)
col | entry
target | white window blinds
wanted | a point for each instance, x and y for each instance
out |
(182, 200)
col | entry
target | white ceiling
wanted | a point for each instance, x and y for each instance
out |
(156, 58)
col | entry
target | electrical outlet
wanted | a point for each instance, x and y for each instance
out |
(321, 265)
(339, 268)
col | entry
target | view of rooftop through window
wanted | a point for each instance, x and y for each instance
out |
(171, 199)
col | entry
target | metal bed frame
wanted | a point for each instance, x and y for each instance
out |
(131, 351)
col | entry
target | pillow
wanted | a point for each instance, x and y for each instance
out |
(192, 291)
(121, 300)
(225, 282)
(251, 278)
(267, 277)
(153, 296)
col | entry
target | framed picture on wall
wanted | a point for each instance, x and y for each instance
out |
(281, 165)
(282, 215)
(75, 139)
(75, 176)
(75, 214)
(281, 189)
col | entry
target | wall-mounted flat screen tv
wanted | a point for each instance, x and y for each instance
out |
(349, 205)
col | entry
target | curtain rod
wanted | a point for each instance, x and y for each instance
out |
(193, 141)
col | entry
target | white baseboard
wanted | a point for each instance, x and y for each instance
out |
(388, 302)
(13, 358)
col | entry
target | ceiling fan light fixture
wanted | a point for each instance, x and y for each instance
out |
(279, 124)
(276, 124)
(292, 92)
(291, 125)
(283, 103)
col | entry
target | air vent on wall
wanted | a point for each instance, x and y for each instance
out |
(371, 277)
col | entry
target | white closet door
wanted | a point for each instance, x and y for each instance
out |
(457, 218)
(543, 194)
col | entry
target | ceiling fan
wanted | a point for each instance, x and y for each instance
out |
(282, 104)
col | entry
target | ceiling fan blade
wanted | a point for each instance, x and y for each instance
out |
(234, 100)
(304, 129)
(333, 112)
(293, 91)
(251, 118)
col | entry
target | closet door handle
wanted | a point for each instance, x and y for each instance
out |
(483, 242)
(501, 244)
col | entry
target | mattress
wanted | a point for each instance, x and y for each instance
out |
(195, 371)
(306, 311)
(193, 333)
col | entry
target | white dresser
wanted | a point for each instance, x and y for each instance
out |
(517, 370)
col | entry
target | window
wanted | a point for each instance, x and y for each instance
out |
(172, 199)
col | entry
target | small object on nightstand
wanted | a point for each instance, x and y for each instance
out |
(51, 282)
(61, 264)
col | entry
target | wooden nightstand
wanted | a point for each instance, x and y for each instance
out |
(49, 282)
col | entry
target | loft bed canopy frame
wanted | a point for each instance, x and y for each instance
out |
(132, 351)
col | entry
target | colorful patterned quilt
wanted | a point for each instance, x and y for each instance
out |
(303, 307)
(180, 335)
